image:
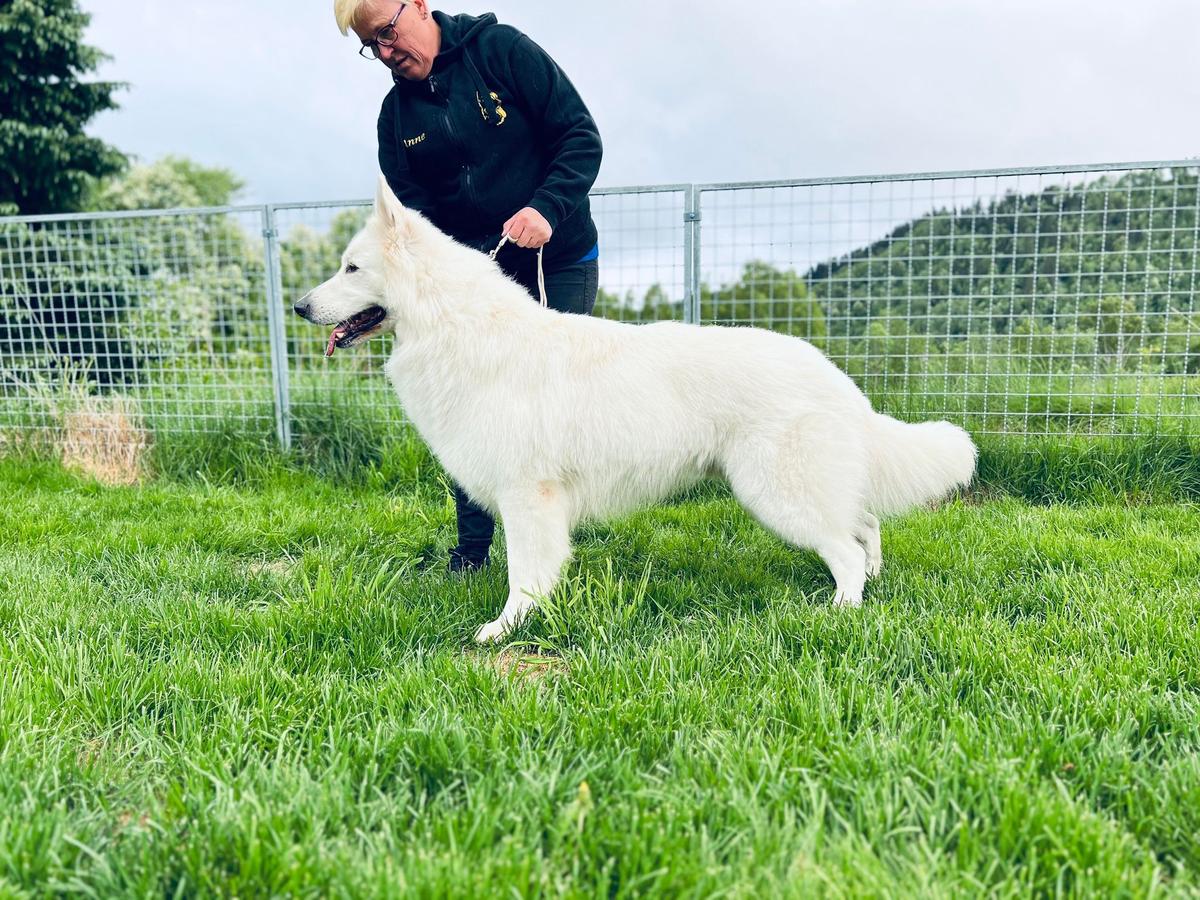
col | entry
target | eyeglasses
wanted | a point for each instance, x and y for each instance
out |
(384, 37)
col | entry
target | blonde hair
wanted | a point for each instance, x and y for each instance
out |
(346, 11)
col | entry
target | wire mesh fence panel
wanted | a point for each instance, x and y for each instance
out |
(1013, 301)
(642, 253)
(1038, 302)
(347, 388)
(156, 318)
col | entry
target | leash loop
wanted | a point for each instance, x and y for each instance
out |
(504, 239)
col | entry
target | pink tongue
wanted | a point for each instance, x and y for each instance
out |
(336, 335)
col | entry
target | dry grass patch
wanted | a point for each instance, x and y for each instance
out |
(104, 438)
(280, 568)
(521, 662)
(89, 752)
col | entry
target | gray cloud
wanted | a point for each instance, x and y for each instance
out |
(698, 91)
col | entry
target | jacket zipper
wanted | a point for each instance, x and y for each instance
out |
(453, 132)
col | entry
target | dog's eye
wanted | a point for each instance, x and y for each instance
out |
(350, 267)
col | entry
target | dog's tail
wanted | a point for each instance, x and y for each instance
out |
(914, 464)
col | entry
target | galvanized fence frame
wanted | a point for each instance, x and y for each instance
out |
(678, 220)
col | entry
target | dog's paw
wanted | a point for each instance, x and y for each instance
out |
(844, 600)
(492, 631)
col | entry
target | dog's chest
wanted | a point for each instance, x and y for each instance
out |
(441, 408)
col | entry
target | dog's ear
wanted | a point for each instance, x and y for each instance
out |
(390, 210)
(387, 207)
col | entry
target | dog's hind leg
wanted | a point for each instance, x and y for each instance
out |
(805, 527)
(537, 532)
(867, 534)
(806, 489)
(847, 562)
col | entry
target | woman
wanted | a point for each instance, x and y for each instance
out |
(484, 134)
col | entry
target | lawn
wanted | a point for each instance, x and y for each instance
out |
(264, 685)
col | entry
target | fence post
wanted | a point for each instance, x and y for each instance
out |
(691, 256)
(279, 357)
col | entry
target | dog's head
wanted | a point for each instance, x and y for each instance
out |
(360, 299)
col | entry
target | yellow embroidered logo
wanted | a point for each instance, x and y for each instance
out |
(501, 115)
(412, 142)
(499, 109)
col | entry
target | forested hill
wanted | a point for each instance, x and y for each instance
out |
(1129, 243)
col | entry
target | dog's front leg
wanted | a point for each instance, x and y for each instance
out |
(538, 539)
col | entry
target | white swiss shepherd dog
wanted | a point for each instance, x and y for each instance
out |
(548, 419)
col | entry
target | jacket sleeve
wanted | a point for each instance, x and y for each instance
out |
(393, 162)
(568, 131)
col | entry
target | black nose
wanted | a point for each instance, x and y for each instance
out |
(301, 307)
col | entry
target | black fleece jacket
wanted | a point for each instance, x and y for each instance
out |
(496, 127)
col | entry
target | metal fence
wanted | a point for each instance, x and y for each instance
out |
(1016, 302)
(1019, 301)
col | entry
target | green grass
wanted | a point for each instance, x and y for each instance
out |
(251, 680)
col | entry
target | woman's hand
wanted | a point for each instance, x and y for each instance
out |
(528, 228)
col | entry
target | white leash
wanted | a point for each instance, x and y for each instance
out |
(541, 276)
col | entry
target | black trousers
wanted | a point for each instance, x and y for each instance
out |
(569, 289)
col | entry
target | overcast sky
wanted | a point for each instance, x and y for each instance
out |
(695, 91)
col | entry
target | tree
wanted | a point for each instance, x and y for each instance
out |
(119, 295)
(200, 274)
(173, 181)
(1055, 255)
(47, 163)
(766, 297)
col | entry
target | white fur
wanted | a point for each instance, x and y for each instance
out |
(547, 419)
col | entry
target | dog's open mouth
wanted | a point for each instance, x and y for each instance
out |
(354, 329)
